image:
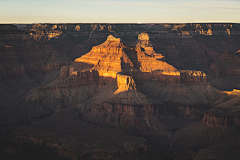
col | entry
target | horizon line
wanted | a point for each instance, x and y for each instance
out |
(119, 23)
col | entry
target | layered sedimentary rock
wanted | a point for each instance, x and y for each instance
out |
(108, 56)
(125, 83)
(138, 62)
(145, 45)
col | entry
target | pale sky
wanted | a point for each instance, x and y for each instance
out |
(119, 11)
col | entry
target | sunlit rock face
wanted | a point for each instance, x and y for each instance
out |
(142, 63)
(143, 37)
(125, 83)
(148, 59)
(108, 56)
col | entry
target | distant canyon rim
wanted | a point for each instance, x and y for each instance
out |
(120, 91)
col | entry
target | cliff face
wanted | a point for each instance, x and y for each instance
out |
(125, 83)
(107, 56)
(141, 64)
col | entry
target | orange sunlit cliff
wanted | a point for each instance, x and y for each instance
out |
(141, 62)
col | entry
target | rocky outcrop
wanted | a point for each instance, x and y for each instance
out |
(141, 64)
(107, 56)
(42, 33)
(147, 58)
(44, 36)
(125, 83)
(145, 45)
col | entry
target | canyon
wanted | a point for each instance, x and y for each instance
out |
(120, 91)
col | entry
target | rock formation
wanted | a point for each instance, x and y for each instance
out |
(107, 56)
(139, 96)
(123, 70)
